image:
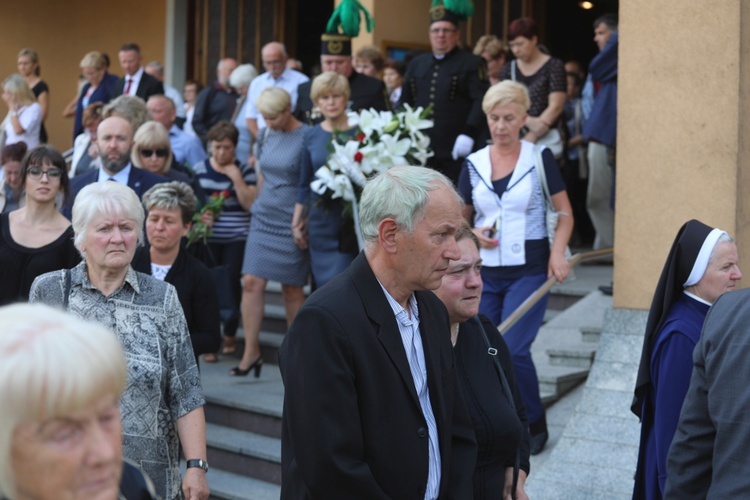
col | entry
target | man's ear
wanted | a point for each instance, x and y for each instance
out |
(387, 231)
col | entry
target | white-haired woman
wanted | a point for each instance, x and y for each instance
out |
(24, 119)
(170, 207)
(270, 251)
(329, 234)
(240, 80)
(162, 406)
(506, 206)
(60, 428)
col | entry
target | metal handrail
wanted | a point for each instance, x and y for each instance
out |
(542, 290)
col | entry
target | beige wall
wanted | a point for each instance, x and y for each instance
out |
(62, 32)
(402, 21)
(679, 110)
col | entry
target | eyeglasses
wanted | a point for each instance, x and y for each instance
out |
(160, 153)
(442, 31)
(37, 173)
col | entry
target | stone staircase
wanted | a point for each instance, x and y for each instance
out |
(243, 414)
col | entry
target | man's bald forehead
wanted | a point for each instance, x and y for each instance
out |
(162, 99)
(117, 125)
(273, 47)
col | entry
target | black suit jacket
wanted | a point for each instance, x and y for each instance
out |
(365, 92)
(139, 181)
(352, 425)
(147, 87)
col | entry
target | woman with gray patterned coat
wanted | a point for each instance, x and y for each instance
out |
(162, 406)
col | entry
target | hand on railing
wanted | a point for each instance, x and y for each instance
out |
(542, 290)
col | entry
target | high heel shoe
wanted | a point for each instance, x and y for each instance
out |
(239, 372)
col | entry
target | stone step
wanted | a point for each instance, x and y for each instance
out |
(244, 453)
(559, 379)
(269, 346)
(591, 333)
(244, 403)
(227, 486)
(274, 318)
(266, 422)
(549, 315)
(269, 341)
(580, 354)
(548, 398)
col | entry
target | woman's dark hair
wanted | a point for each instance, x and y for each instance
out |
(397, 66)
(92, 113)
(223, 130)
(46, 154)
(13, 152)
(371, 55)
(197, 84)
(465, 232)
(524, 27)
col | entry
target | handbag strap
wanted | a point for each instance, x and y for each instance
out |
(541, 174)
(66, 296)
(509, 396)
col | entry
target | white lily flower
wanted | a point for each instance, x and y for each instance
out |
(353, 117)
(370, 121)
(342, 188)
(346, 150)
(412, 120)
(395, 146)
(323, 180)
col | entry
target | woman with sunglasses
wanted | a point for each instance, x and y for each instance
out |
(36, 239)
(153, 152)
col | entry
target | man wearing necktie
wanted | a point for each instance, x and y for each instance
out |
(135, 81)
(372, 405)
(114, 137)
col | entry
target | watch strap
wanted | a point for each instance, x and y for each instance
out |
(199, 463)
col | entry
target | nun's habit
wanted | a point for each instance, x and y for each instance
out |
(672, 331)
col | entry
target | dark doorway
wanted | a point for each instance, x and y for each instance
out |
(569, 32)
(312, 18)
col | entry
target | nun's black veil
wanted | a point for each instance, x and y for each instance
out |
(685, 249)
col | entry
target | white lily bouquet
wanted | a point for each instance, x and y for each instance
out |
(384, 139)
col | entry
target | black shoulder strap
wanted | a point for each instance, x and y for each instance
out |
(509, 395)
(66, 297)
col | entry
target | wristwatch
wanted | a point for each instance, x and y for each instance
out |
(197, 462)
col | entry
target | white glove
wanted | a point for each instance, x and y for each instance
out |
(462, 146)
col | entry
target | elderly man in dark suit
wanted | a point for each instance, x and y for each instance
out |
(372, 405)
(114, 136)
(708, 457)
(135, 81)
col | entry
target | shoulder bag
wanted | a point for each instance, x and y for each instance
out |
(509, 395)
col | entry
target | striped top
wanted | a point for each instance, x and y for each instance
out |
(408, 326)
(234, 222)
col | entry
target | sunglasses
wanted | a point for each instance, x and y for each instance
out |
(37, 173)
(148, 153)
